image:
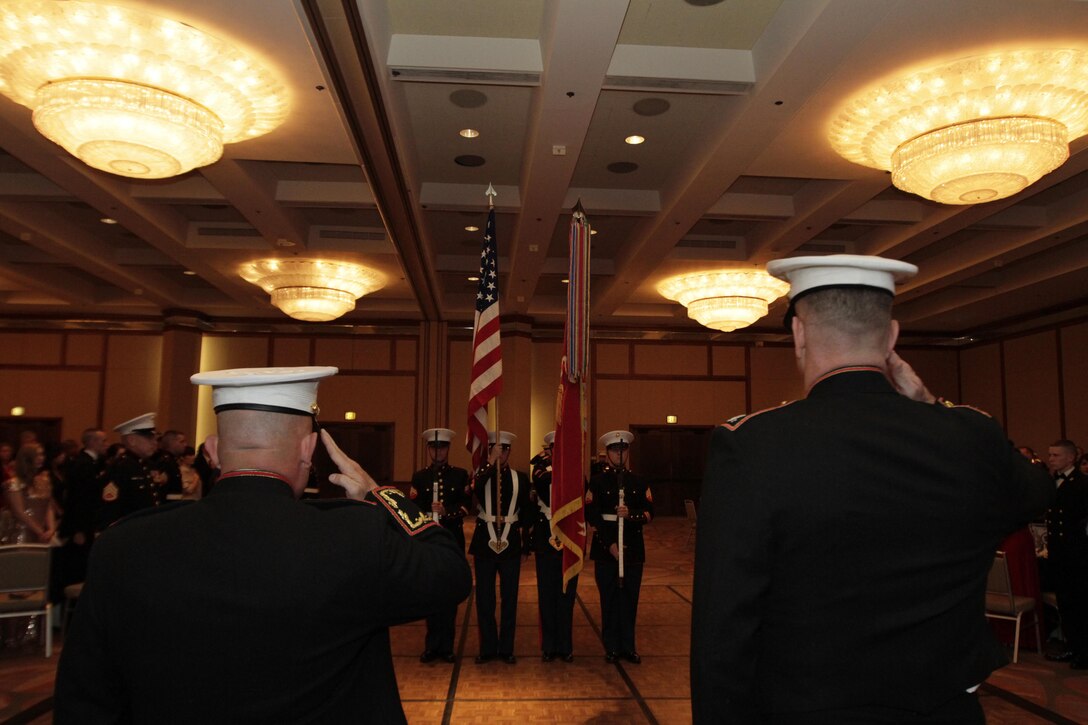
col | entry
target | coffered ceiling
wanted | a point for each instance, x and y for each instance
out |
(734, 99)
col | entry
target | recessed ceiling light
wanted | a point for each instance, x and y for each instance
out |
(473, 279)
(189, 273)
(107, 220)
(472, 228)
(634, 140)
(565, 280)
(469, 132)
(592, 232)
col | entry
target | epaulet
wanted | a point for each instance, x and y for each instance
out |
(403, 511)
(739, 420)
(150, 511)
(947, 404)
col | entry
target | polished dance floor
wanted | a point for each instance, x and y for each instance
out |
(587, 690)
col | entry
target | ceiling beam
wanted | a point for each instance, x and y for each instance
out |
(252, 191)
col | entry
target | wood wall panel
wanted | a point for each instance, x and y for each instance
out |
(334, 351)
(378, 399)
(1031, 389)
(133, 371)
(1074, 340)
(939, 369)
(30, 348)
(406, 353)
(290, 351)
(981, 383)
(371, 354)
(621, 404)
(460, 366)
(728, 360)
(774, 378)
(66, 394)
(665, 359)
(84, 348)
(610, 358)
(546, 361)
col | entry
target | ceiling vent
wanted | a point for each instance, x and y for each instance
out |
(677, 85)
(460, 75)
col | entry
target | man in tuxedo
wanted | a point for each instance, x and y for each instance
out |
(1067, 551)
(844, 539)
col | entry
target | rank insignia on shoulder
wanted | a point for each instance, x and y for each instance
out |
(735, 419)
(411, 521)
(110, 492)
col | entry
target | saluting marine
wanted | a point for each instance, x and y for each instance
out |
(131, 483)
(556, 607)
(497, 546)
(618, 504)
(443, 490)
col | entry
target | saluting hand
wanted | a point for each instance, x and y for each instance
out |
(356, 482)
(906, 381)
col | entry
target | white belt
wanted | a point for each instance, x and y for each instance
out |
(490, 518)
(545, 509)
(609, 517)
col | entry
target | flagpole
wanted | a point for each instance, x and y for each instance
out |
(493, 404)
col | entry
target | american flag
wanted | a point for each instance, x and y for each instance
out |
(486, 380)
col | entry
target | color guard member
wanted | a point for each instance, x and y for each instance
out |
(443, 490)
(618, 495)
(497, 546)
(556, 607)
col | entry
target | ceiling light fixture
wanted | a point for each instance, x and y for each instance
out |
(634, 140)
(108, 220)
(132, 93)
(724, 300)
(312, 290)
(469, 133)
(472, 228)
(974, 130)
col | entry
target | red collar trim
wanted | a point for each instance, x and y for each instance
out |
(253, 472)
(850, 369)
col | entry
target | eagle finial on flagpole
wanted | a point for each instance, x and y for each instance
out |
(579, 210)
(491, 194)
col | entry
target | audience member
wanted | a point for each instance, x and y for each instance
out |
(1067, 551)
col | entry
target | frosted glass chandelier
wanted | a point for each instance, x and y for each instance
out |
(312, 290)
(974, 130)
(132, 93)
(725, 300)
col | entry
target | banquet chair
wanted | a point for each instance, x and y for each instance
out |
(1001, 603)
(689, 509)
(24, 585)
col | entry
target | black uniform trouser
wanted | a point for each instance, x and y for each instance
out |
(508, 567)
(619, 605)
(1069, 567)
(556, 607)
(442, 627)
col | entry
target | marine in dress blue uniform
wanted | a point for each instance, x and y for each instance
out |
(1067, 551)
(131, 484)
(619, 597)
(442, 490)
(500, 538)
(844, 540)
(556, 606)
(250, 606)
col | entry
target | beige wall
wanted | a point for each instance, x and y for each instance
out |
(1035, 382)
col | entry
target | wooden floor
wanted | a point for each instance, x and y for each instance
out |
(588, 690)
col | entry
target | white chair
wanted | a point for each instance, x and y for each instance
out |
(24, 585)
(1001, 603)
(689, 509)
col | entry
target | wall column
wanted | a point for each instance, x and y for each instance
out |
(181, 341)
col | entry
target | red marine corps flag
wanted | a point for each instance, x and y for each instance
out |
(569, 456)
(486, 381)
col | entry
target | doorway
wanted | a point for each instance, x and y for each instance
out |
(371, 444)
(672, 458)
